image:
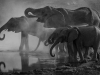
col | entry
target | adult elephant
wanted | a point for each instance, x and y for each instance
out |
(24, 25)
(61, 17)
(82, 37)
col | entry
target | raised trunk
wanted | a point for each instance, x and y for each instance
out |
(26, 12)
(55, 43)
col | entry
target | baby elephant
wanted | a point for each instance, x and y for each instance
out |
(79, 37)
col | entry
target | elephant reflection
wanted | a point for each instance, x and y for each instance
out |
(80, 37)
(61, 17)
(2, 63)
(24, 62)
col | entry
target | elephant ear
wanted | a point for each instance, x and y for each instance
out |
(52, 11)
(73, 34)
(49, 10)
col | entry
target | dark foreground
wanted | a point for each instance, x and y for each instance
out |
(45, 65)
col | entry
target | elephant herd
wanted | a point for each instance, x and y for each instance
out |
(77, 29)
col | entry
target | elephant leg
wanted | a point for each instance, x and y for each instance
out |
(61, 47)
(26, 43)
(94, 58)
(75, 53)
(87, 53)
(70, 52)
(56, 51)
(65, 47)
(80, 54)
(21, 44)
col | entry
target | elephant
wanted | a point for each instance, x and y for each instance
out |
(52, 38)
(21, 24)
(80, 37)
(62, 17)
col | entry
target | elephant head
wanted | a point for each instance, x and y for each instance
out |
(67, 35)
(51, 39)
(14, 24)
(48, 15)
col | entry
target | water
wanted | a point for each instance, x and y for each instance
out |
(25, 62)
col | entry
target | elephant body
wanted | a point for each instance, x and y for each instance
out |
(24, 25)
(79, 37)
(51, 39)
(61, 17)
(88, 37)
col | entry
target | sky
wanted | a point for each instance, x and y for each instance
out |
(15, 8)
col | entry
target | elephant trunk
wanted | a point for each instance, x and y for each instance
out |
(1, 29)
(46, 43)
(26, 12)
(55, 43)
(49, 41)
